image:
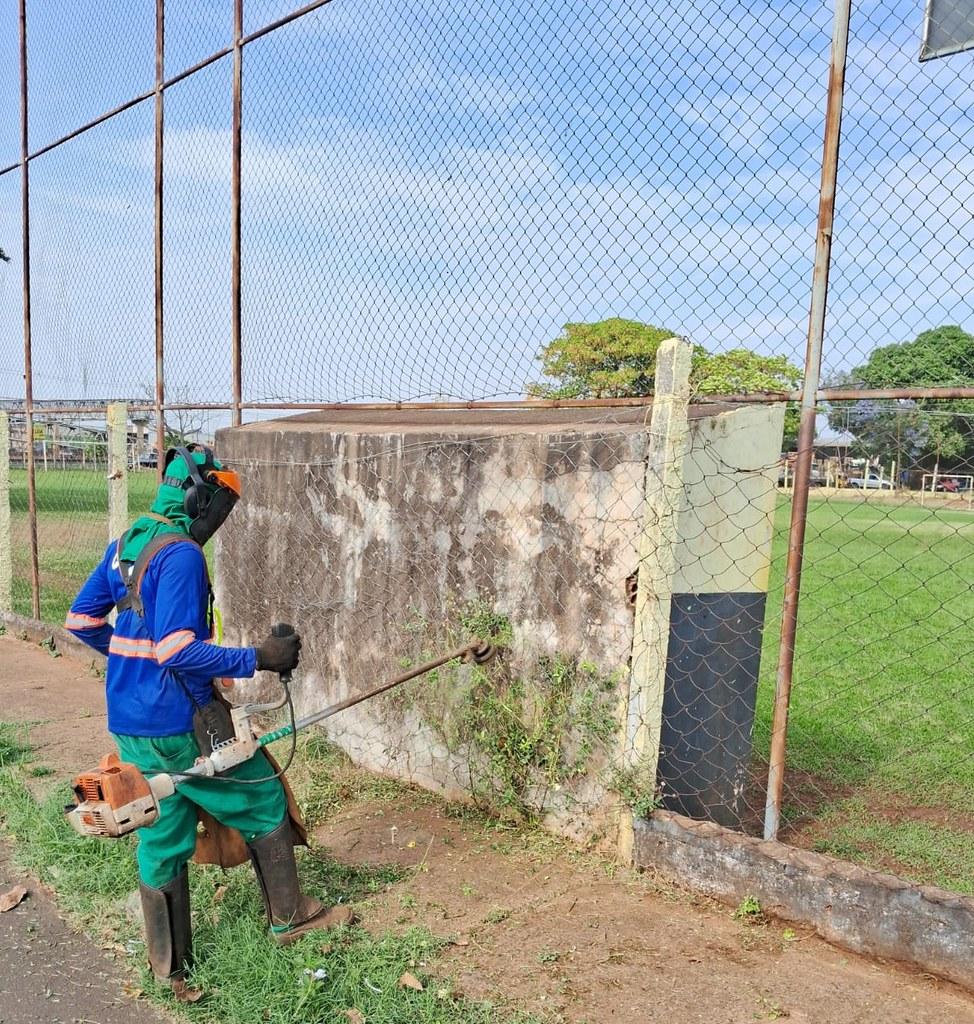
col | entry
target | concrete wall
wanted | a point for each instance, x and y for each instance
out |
(377, 536)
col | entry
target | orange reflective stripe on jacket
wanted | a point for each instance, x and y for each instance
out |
(127, 647)
(173, 644)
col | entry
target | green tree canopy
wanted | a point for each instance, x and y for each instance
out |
(616, 358)
(741, 372)
(613, 358)
(913, 431)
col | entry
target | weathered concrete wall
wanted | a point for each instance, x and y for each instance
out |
(864, 911)
(379, 538)
(374, 539)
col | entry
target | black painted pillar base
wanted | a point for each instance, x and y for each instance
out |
(713, 658)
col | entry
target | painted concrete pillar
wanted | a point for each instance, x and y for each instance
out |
(118, 480)
(719, 592)
(667, 445)
(704, 564)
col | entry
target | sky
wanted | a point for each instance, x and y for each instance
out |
(431, 191)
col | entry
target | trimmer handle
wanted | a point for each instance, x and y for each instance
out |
(283, 629)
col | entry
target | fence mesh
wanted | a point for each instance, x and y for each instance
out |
(580, 545)
(463, 202)
(881, 732)
(91, 276)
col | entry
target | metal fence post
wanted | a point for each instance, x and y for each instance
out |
(6, 546)
(806, 432)
(118, 481)
(160, 395)
(235, 283)
(35, 571)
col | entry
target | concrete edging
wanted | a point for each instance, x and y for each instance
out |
(39, 632)
(864, 911)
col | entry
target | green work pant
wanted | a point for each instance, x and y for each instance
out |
(166, 846)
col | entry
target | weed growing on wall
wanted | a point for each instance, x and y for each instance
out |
(637, 789)
(528, 734)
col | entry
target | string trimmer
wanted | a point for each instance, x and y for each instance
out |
(116, 798)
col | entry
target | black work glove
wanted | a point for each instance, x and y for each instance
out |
(279, 653)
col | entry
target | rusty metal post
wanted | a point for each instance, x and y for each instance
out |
(806, 431)
(160, 395)
(6, 538)
(35, 572)
(236, 127)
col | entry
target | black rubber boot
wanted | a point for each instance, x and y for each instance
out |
(289, 912)
(168, 931)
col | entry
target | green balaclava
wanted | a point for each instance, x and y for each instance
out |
(169, 505)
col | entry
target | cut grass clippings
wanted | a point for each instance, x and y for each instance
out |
(244, 975)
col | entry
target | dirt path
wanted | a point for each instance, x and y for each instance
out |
(49, 974)
(542, 927)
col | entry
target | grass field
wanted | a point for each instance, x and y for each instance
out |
(881, 740)
(881, 730)
(72, 528)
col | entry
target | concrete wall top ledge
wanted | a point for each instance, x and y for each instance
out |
(476, 421)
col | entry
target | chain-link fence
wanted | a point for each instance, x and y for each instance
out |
(219, 212)
(880, 749)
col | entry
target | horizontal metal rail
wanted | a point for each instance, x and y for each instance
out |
(168, 83)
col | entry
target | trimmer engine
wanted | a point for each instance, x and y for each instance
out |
(116, 798)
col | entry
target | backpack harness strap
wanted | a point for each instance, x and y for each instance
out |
(133, 572)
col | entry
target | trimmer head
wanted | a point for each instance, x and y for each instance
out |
(480, 653)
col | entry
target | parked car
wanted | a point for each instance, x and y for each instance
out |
(817, 478)
(149, 460)
(871, 481)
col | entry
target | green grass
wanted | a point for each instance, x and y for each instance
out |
(78, 491)
(882, 654)
(880, 716)
(244, 975)
(913, 849)
(13, 744)
(72, 524)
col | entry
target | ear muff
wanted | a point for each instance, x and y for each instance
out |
(207, 505)
(197, 496)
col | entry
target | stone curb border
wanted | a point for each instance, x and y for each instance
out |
(21, 627)
(861, 910)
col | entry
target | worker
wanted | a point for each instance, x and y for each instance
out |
(162, 712)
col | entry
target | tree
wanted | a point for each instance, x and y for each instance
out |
(613, 358)
(921, 432)
(742, 372)
(180, 426)
(616, 358)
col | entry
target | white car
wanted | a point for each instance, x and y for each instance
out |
(873, 481)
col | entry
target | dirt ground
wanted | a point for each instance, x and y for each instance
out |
(50, 974)
(534, 923)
